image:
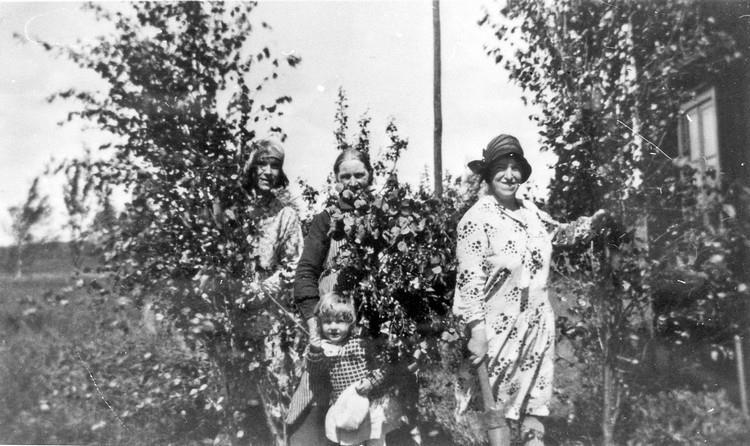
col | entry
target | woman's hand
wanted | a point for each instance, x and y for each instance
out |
(477, 344)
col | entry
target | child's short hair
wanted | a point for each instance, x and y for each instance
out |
(334, 306)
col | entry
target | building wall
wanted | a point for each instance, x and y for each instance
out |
(733, 113)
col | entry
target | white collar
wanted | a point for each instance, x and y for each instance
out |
(331, 349)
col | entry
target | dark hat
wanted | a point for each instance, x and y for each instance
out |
(500, 147)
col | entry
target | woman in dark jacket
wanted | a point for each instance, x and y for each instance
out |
(313, 278)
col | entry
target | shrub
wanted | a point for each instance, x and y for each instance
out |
(681, 417)
(437, 399)
(182, 127)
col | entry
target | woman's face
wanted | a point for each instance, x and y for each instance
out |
(353, 175)
(267, 171)
(507, 180)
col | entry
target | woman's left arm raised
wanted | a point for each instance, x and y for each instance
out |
(576, 231)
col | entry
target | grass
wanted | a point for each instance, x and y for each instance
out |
(48, 259)
(36, 329)
(78, 366)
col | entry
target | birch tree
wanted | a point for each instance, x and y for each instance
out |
(609, 78)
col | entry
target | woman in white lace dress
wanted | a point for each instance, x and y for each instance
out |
(504, 249)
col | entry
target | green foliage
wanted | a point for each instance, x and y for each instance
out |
(78, 367)
(24, 218)
(398, 261)
(86, 195)
(401, 245)
(609, 79)
(437, 399)
(342, 120)
(185, 100)
(698, 267)
(689, 290)
(686, 418)
(607, 322)
(343, 140)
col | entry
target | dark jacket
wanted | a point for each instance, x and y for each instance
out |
(311, 264)
(317, 258)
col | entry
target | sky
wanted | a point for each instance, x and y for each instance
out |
(380, 52)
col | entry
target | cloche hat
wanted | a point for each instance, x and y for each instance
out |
(501, 146)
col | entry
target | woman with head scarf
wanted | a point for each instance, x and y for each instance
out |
(275, 240)
(278, 243)
(504, 248)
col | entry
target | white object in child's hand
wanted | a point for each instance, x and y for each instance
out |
(363, 386)
(348, 412)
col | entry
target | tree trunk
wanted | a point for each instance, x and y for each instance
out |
(642, 237)
(19, 262)
(246, 424)
(232, 427)
(436, 100)
(221, 351)
(610, 389)
(608, 421)
(279, 437)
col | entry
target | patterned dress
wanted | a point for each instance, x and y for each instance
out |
(344, 365)
(503, 266)
(276, 248)
(278, 244)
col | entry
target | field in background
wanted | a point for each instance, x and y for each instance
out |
(77, 365)
(46, 259)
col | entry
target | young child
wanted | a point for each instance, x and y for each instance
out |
(345, 360)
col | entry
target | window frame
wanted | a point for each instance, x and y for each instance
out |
(684, 144)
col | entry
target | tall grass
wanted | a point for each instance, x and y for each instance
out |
(76, 366)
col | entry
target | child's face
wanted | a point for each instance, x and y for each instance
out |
(335, 329)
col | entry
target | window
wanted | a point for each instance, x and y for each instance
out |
(699, 133)
(698, 141)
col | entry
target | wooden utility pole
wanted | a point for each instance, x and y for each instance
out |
(741, 373)
(436, 100)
